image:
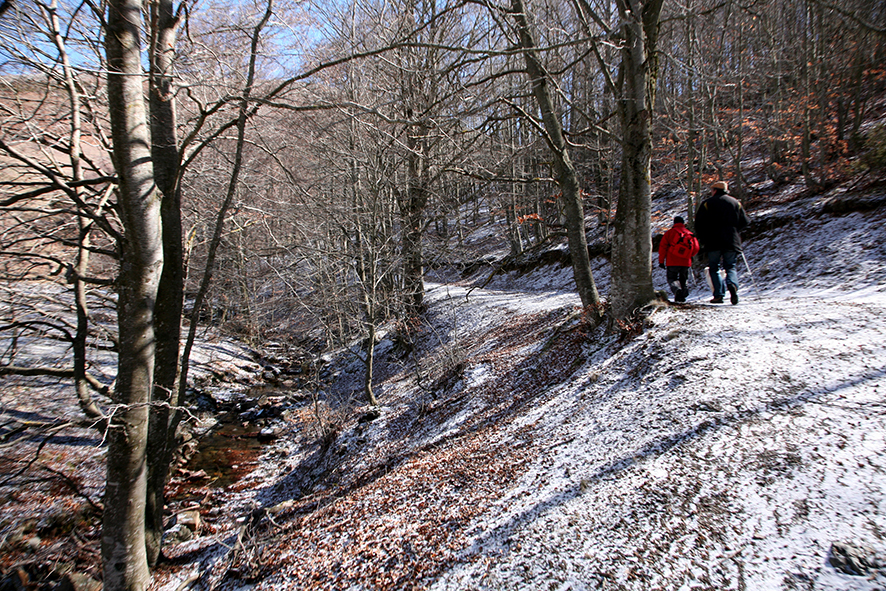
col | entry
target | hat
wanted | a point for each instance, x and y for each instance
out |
(678, 219)
(720, 185)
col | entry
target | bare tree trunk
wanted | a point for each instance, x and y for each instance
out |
(692, 180)
(216, 238)
(370, 363)
(79, 270)
(165, 154)
(564, 169)
(123, 527)
(412, 201)
(738, 188)
(412, 209)
(805, 74)
(632, 239)
(515, 238)
(858, 103)
(367, 255)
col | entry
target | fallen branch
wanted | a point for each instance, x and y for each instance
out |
(54, 372)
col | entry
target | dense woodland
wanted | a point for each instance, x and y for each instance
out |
(289, 171)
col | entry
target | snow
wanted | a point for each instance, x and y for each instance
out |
(723, 440)
(724, 447)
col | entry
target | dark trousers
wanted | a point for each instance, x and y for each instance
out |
(677, 278)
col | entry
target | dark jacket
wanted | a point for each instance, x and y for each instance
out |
(719, 222)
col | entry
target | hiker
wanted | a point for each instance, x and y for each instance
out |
(675, 252)
(718, 225)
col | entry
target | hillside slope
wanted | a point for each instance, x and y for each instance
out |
(723, 447)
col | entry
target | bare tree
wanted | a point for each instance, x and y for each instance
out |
(632, 238)
(166, 396)
(124, 552)
(566, 174)
(42, 161)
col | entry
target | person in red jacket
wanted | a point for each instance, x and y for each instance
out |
(675, 253)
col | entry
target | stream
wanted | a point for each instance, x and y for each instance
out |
(240, 423)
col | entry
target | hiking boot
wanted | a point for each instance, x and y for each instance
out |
(733, 294)
(717, 300)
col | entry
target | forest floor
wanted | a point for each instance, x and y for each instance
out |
(713, 447)
(718, 447)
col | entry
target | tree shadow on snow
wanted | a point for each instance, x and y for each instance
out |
(500, 534)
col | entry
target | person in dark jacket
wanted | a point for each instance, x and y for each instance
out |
(718, 225)
(675, 252)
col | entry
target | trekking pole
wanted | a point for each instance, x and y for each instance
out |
(754, 281)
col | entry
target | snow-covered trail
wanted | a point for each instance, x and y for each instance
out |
(725, 448)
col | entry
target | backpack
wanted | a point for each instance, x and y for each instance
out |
(685, 245)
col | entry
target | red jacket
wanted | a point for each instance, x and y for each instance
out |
(675, 253)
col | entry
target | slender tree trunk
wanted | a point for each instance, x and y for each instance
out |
(691, 156)
(515, 237)
(565, 171)
(165, 154)
(123, 527)
(366, 256)
(414, 199)
(216, 239)
(858, 102)
(81, 384)
(632, 239)
(739, 185)
(412, 209)
(806, 141)
(370, 363)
